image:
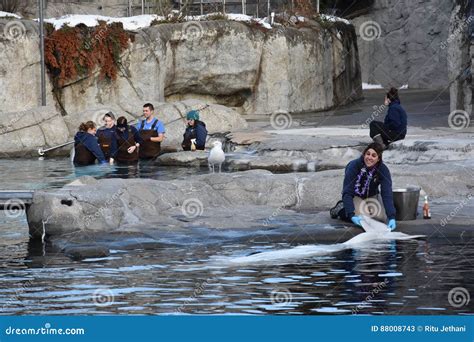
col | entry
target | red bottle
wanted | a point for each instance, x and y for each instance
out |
(426, 209)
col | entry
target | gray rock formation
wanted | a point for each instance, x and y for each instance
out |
(316, 149)
(22, 133)
(57, 8)
(236, 200)
(231, 63)
(461, 57)
(401, 42)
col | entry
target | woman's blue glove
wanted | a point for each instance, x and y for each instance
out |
(392, 224)
(356, 220)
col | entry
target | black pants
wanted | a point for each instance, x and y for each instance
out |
(388, 136)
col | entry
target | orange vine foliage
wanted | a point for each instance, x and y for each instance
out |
(305, 8)
(73, 52)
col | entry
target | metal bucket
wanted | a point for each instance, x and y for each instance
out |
(406, 202)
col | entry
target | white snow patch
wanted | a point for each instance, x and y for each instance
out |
(334, 19)
(8, 14)
(129, 23)
(140, 21)
(368, 86)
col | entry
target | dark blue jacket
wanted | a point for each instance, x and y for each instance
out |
(382, 178)
(124, 135)
(396, 118)
(198, 132)
(109, 133)
(90, 142)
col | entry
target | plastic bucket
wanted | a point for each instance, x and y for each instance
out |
(406, 202)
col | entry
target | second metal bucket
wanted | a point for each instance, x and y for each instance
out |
(406, 202)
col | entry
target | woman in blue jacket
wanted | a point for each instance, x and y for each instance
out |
(105, 136)
(86, 146)
(360, 192)
(394, 126)
(195, 133)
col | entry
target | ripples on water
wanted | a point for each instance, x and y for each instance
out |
(403, 277)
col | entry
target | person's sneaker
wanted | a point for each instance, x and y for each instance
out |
(334, 211)
(378, 139)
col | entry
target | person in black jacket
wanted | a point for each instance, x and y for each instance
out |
(105, 135)
(128, 140)
(360, 192)
(394, 126)
(194, 138)
(86, 146)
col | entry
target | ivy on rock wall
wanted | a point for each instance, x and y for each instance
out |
(75, 52)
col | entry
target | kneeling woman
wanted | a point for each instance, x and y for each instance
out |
(360, 193)
(194, 138)
(127, 140)
(86, 146)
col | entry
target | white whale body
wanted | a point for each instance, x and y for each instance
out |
(374, 231)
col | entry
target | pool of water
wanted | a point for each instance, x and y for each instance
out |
(179, 277)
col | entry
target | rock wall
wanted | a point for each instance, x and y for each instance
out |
(461, 56)
(230, 63)
(401, 42)
(58, 8)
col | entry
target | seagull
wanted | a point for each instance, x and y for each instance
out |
(216, 156)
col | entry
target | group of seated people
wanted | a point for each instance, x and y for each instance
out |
(122, 143)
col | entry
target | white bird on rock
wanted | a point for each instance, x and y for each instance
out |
(216, 156)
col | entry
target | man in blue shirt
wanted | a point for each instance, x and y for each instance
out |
(152, 132)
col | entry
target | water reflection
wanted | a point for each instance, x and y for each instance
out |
(389, 278)
(176, 277)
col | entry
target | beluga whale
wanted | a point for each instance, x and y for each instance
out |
(374, 231)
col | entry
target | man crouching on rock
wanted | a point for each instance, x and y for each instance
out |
(360, 192)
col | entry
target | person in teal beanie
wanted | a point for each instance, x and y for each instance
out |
(194, 138)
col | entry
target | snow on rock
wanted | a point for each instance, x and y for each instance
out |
(129, 23)
(8, 14)
(142, 21)
(334, 19)
(368, 86)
